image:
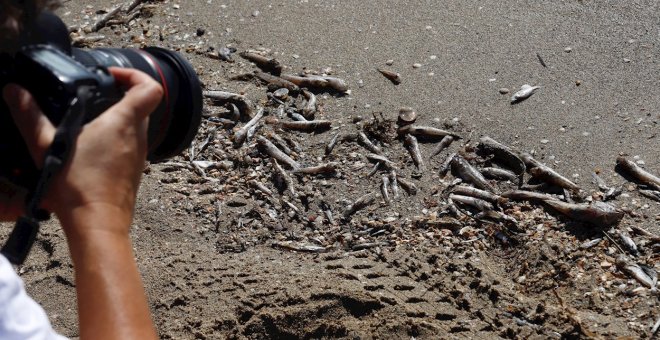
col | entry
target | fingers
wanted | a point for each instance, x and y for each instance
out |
(34, 126)
(143, 95)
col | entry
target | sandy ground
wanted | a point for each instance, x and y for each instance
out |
(598, 99)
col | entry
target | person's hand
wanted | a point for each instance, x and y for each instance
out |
(107, 161)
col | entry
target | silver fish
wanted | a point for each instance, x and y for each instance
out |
(426, 132)
(241, 134)
(222, 97)
(284, 178)
(598, 213)
(325, 169)
(394, 77)
(525, 92)
(478, 193)
(522, 195)
(472, 201)
(628, 243)
(640, 174)
(359, 204)
(503, 153)
(310, 106)
(636, 271)
(468, 173)
(408, 186)
(546, 174)
(444, 143)
(367, 144)
(394, 184)
(269, 65)
(413, 148)
(385, 183)
(270, 149)
(332, 144)
(500, 174)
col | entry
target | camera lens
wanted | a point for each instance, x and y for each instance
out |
(173, 125)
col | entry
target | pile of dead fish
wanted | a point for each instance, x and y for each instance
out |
(487, 179)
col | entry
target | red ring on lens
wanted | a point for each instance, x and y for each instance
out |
(164, 121)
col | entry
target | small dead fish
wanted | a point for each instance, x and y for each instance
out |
(310, 106)
(280, 142)
(541, 60)
(367, 144)
(327, 211)
(413, 148)
(548, 175)
(525, 92)
(478, 193)
(636, 271)
(296, 116)
(284, 177)
(222, 97)
(332, 144)
(503, 153)
(277, 81)
(472, 201)
(290, 205)
(303, 248)
(444, 143)
(496, 216)
(394, 184)
(591, 243)
(394, 77)
(522, 195)
(380, 159)
(322, 169)
(408, 186)
(602, 186)
(269, 65)
(224, 53)
(260, 186)
(242, 133)
(652, 194)
(293, 144)
(640, 174)
(426, 132)
(318, 82)
(598, 213)
(464, 170)
(359, 204)
(446, 165)
(628, 243)
(530, 162)
(385, 183)
(271, 150)
(499, 174)
(304, 126)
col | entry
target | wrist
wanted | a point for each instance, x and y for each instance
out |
(95, 223)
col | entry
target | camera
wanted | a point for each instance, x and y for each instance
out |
(53, 71)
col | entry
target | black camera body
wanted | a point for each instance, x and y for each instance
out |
(52, 71)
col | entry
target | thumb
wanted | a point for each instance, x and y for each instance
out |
(34, 126)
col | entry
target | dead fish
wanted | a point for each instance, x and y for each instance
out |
(598, 213)
(503, 153)
(525, 92)
(277, 82)
(472, 201)
(242, 133)
(640, 174)
(413, 148)
(380, 159)
(444, 143)
(318, 82)
(271, 150)
(367, 144)
(636, 271)
(546, 174)
(260, 186)
(304, 248)
(331, 145)
(290, 205)
(522, 195)
(652, 194)
(495, 216)
(224, 53)
(628, 243)
(322, 169)
(446, 165)
(426, 132)
(280, 142)
(478, 193)
(284, 178)
(408, 186)
(385, 183)
(222, 97)
(464, 170)
(293, 144)
(530, 162)
(499, 174)
(269, 65)
(297, 116)
(359, 204)
(602, 186)
(591, 243)
(394, 184)
(304, 126)
(609, 193)
(310, 106)
(394, 77)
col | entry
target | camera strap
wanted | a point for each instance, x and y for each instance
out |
(25, 230)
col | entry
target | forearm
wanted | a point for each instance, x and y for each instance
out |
(111, 299)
